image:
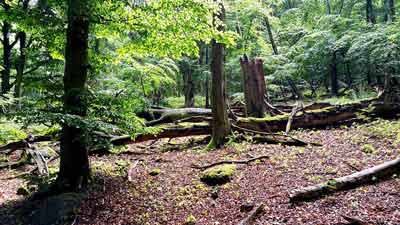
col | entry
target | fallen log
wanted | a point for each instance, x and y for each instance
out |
(172, 115)
(333, 115)
(367, 176)
(10, 147)
(165, 132)
(252, 215)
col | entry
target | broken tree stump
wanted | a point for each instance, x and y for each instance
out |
(254, 86)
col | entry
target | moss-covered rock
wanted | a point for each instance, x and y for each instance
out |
(155, 172)
(218, 175)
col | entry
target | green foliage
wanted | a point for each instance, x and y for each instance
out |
(368, 149)
(190, 220)
(10, 132)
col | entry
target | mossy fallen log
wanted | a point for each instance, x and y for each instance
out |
(333, 115)
(181, 130)
(172, 115)
(367, 176)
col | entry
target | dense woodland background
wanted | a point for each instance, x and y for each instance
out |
(89, 76)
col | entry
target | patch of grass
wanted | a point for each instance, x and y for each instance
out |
(368, 149)
(190, 220)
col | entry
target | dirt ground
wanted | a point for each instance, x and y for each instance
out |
(162, 187)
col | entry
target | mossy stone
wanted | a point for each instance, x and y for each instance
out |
(155, 172)
(218, 175)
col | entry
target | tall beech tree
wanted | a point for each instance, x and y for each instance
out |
(220, 124)
(74, 164)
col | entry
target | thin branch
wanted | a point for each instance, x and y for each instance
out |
(230, 162)
(252, 215)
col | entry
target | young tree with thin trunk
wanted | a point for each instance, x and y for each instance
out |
(220, 126)
(74, 164)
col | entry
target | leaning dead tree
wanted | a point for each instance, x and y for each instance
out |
(254, 86)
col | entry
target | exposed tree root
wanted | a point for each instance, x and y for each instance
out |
(231, 162)
(367, 176)
(252, 215)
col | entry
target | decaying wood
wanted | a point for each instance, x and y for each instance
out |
(172, 115)
(333, 115)
(231, 162)
(10, 147)
(275, 138)
(252, 215)
(367, 176)
(166, 132)
(296, 109)
(354, 220)
(254, 86)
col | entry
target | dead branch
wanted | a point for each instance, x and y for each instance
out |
(230, 162)
(295, 110)
(295, 140)
(251, 217)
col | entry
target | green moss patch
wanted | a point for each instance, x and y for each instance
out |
(218, 175)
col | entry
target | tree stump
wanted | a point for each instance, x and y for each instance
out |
(254, 86)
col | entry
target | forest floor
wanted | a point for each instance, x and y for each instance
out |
(163, 188)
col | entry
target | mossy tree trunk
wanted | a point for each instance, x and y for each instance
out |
(74, 164)
(221, 126)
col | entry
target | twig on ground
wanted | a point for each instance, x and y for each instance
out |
(251, 217)
(230, 162)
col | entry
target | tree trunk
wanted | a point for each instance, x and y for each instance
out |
(221, 126)
(20, 67)
(270, 35)
(254, 86)
(334, 76)
(74, 164)
(188, 87)
(7, 47)
(328, 7)
(391, 11)
(207, 82)
(370, 16)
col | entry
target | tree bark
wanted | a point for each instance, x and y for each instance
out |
(271, 37)
(207, 82)
(74, 164)
(188, 87)
(7, 47)
(370, 15)
(221, 126)
(391, 10)
(334, 76)
(254, 86)
(20, 67)
(328, 7)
